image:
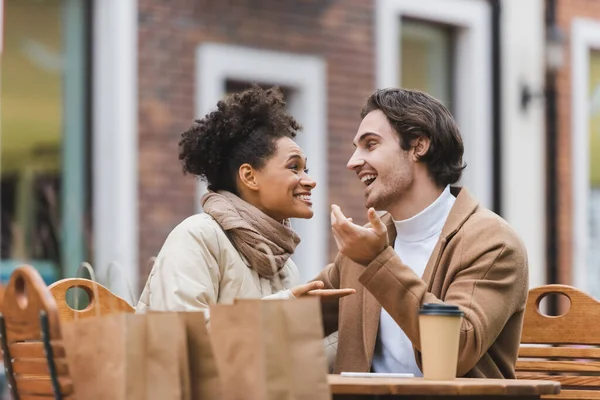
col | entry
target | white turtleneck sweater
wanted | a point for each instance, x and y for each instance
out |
(415, 239)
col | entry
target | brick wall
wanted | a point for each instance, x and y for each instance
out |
(339, 31)
(566, 12)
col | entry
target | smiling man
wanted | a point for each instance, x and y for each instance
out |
(433, 244)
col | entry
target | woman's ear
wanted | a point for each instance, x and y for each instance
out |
(247, 176)
(421, 147)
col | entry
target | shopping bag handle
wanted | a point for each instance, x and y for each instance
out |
(125, 280)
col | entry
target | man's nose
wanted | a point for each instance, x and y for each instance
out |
(355, 161)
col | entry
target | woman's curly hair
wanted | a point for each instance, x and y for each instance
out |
(243, 129)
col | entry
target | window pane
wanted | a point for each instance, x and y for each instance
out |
(35, 134)
(594, 156)
(426, 58)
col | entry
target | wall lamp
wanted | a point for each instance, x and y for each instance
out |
(555, 59)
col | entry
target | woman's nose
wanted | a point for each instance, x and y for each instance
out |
(308, 182)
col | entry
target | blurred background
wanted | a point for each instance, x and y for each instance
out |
(95, 94)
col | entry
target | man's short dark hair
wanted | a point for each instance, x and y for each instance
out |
(413, 114)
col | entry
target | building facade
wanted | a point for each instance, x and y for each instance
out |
(347, 49)
(578, 149)
(156, 66)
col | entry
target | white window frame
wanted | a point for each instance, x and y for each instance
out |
(306, 76)
(115, 145)
(585, 36)
(472, 73)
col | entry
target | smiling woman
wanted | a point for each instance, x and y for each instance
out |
(257, 180)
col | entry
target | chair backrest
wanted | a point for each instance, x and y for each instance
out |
(34, 356)
(562, 348)
(106, 303)
(2, 289)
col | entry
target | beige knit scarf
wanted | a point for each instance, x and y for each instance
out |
(246, 226)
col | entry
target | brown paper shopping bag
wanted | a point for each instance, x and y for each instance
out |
(123, 356)
(126, 356)
(202, 378)
(270, 350)
(203, 373)
(201, 381)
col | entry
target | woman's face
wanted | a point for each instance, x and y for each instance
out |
(283, 187)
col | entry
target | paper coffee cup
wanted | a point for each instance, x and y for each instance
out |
(439, 326)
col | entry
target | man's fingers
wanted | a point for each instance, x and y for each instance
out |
(342, 224)
(376, 223)
(336, 214)
(338, 239)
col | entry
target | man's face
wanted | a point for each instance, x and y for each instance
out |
(386, 170)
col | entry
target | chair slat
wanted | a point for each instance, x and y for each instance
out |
(42, 385)
(558, 366)
(574, 395)
(560, 352)
(565, 380)
(32, 366)
(35, 349)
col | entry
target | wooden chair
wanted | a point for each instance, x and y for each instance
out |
(566, 348)
(2, 289)
(34, 357)
(106, 303)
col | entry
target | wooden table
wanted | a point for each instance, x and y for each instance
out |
(418, 388)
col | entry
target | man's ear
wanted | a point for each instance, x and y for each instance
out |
(421, 147)
(247, 175)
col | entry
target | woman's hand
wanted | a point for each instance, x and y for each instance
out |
(315, 288)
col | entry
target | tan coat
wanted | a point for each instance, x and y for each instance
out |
(198, 267)
(479, 264)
